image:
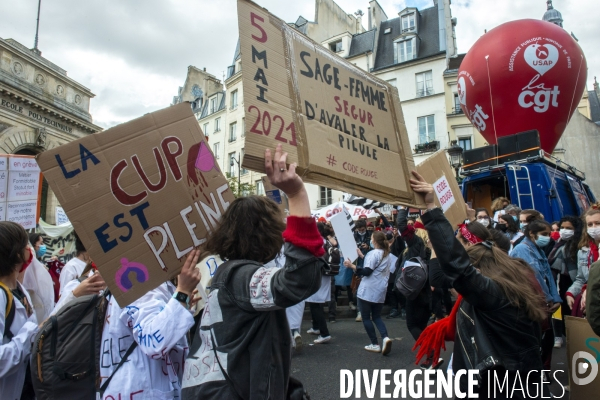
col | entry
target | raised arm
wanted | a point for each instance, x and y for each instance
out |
(454, 261)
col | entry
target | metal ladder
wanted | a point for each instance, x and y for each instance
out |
(514, 169)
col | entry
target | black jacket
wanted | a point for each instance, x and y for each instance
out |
(490, 332)
(245, 315)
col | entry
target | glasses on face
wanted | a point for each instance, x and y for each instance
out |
(482, 217)
(362, 230)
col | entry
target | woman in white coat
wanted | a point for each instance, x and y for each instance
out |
(372, 289)
(153, 329)
(16, 336)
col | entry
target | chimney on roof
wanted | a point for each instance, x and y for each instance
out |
(596, 87)
(369, 23)
(204, 69)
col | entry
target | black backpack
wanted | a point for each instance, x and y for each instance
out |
(412, 278)
(332, 258)
(65, 358)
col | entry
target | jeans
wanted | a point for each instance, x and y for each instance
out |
(318, 318)
(372, 311)
(417, 315)
(333, 300)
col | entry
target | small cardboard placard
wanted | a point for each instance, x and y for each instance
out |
(437, 171)
(583, 355)
(343, 126)
(140, 196)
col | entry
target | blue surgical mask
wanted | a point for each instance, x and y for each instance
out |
(542, 241)
(514, 217)
(522, 226)
(371, 243)
(41, 251)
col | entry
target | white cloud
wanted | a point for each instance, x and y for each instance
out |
(134, 54)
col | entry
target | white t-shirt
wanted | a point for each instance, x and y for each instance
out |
(373, 287)
(71, 271)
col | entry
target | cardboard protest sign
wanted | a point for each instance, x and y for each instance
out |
(344, 236)
(583, 355)
(140, 196)
(342, 125)
(436, 170)
(19, 190)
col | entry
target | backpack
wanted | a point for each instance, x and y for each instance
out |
(9, 314)
(413, 277)
(332, 258)
(65, 358)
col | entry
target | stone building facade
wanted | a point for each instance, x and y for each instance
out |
(40, 108)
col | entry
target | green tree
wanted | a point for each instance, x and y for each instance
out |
(245, 189)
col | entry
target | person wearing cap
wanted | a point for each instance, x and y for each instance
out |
(370, 227)
(322, 219)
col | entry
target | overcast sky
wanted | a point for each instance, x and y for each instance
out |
(134, 54)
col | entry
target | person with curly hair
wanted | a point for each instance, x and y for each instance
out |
(242, 348)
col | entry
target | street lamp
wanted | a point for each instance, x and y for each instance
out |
(237, 160)
(455, 152)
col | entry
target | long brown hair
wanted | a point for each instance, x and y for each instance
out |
(508, 273)
(250, 229)
(585, 238)
(379, 238)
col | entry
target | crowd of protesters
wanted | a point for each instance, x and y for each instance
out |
(492, 283)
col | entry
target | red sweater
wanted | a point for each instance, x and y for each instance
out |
(303, 232)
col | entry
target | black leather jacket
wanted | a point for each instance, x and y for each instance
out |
(490, 332)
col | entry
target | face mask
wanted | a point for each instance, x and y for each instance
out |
(27, 263)
(515, 217)
(485, 222)
(542, 241)
(594, 233)
(371, 243)
(362, 233)
(522, 225)
(566, 234)
(502, 227)
(555, 236)
(41, 251)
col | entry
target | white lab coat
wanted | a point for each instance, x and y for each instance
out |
(14, 354)
(154, 370)
(39, 285)
(72, 270)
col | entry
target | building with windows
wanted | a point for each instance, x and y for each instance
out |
(411, 52)
(40, 108)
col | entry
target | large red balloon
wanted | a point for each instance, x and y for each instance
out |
(522, 75)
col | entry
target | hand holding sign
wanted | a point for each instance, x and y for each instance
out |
(288, 181)
(424, 189)
(189, 276)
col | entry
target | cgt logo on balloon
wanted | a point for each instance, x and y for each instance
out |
(526, 74)
(476, 116)
(542, 58)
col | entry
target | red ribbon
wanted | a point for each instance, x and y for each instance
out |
(468, 235)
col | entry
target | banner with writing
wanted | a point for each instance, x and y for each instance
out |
(19, 190)
(140, 196)
(342, 125)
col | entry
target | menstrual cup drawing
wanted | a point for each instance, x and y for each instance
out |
(205, 161)
(122, 276)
